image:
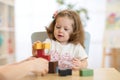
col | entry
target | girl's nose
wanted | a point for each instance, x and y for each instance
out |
(61, 30)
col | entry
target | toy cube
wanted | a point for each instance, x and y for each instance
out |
(40, 47)
(65, 72)
(62, 72)
(53, 67)
(69, 71)
(86, 72)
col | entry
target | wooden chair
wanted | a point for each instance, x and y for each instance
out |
(114, 54)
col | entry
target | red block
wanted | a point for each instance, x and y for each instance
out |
(41, 53)
(47, 57)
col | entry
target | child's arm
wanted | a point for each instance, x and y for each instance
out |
(37, 66)
(79, 64)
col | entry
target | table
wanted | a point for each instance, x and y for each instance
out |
(99, 74)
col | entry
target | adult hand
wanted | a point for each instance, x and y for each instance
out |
(39, 66)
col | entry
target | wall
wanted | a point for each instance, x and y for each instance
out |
(31, 16)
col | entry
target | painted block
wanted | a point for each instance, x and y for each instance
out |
(53, 67)
(86, 72)
(40, 47)
(65, 72)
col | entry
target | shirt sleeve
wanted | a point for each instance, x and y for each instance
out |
(80, 52)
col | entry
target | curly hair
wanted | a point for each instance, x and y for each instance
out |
(78, 32)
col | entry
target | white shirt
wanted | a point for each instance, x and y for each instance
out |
(65, 53)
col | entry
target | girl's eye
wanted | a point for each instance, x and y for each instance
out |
(57, 27)
(66, 29)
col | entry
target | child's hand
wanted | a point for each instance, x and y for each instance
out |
(76, 64)
(79, 64)
(34, 52)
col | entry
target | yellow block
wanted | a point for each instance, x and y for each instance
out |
(46, 45)
(38, 45)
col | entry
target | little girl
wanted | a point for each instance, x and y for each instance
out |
(66, 36)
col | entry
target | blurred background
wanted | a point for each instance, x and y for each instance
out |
(20, 18)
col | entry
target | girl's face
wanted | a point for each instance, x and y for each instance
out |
(63, 28)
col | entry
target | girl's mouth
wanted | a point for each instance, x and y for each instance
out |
(60, 35)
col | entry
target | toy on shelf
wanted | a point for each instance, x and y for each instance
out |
(1, 39)
(41, 47)
(86, 72)
(10, 48)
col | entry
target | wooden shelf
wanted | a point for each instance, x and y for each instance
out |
(7, 33)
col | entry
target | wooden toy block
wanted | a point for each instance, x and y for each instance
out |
(62, 72)
(40, 53)
(69, 71)
(40, 47)
(53, 67)
(65, 72)
(46, 45)
(86, 72)
(46, 57)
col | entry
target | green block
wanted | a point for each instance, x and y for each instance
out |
(86, 72)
